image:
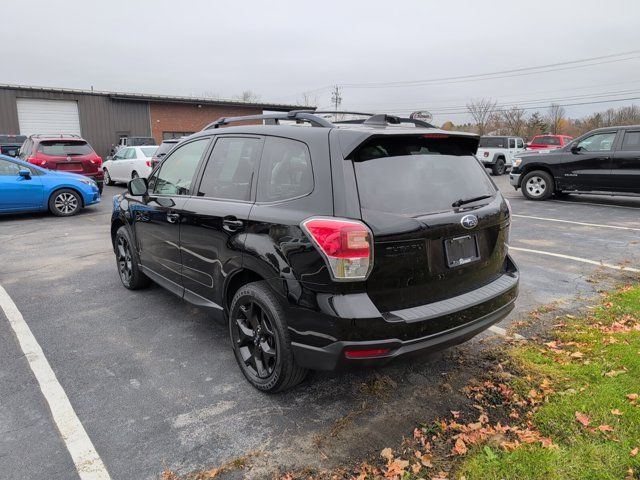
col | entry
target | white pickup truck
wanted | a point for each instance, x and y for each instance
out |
(497, 153)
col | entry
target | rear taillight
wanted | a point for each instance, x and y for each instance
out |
(347, 246)
(97, 161)
(373, 352)
(37, 161)
(148, 163)
(486, 154)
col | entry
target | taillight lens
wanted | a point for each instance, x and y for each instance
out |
(347, 246)
(148, 163)
(97, 161)
(37, 161)
(374, 352)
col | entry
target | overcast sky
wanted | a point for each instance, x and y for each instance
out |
(280, 49)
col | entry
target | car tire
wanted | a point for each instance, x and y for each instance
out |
(537, 185)
(127, 261)
(107, 178)
(65, 202)
(260, 339)
(498, 168)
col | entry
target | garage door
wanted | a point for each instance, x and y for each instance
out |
(48, 116)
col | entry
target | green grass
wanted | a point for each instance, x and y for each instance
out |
(579, 385)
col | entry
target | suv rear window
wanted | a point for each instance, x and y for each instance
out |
(546, 140)
(164, 148)
(414, 176)
(64, 148)
(493, 142)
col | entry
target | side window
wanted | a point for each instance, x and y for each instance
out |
(631, 140)
(119, 155)
(512, 143)
(178, 169)
(231, 168)
(520, 143)
(600, 142)
(131, 154)
(285, 170)
(8, 168)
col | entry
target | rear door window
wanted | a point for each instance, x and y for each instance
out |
(231, 168)
(414, 176)
(63, 148)
(8, 168)
(493, 142)
(631, 140)
(285, 170)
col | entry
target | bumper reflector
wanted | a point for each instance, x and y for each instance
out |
(374, 352)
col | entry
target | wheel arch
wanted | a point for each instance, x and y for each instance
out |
(236, 281)
(66, 187)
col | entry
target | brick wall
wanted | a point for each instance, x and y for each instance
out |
(186, 117)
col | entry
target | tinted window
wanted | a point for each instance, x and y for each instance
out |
(231, 168)
(164, 148)
(546, 140)
(493, 142)
(600, 142)
(285, 170)
(177, 171)
(170, 135)
(64, 148)
(520, 143)
(512, 143)
(631, 141)
(415, 176)
(8, 168)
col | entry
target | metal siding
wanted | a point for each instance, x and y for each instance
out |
(100, 116)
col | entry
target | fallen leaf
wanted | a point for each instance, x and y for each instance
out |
(605, 428)
(455, 414)
(397, 468)
(632, 396)
(582, 418)
(614, 373)
(634, 452)
(460, 448)
(387, 454)
(615, 411)
(577, 355)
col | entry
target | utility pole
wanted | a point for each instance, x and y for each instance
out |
(336, 97)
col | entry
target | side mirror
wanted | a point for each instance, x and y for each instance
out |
(138, 187)
(575, 148)
(24, 173)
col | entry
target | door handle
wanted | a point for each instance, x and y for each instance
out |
(232, 224)
(173, 217)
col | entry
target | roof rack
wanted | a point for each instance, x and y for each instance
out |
(297, 115)
(389, 119)
(334, 112)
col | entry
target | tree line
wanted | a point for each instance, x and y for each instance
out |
(489, 119)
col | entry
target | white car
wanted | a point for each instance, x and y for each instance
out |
(497, 153)
(128, 163)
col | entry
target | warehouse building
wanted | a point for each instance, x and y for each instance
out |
(102, 118)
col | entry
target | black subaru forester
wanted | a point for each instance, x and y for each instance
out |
(323, 247)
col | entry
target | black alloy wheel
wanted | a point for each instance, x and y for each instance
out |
(129, 270)
(499, 168)
(254, 339)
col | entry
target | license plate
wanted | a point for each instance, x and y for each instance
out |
(75, 167)
(461, 250)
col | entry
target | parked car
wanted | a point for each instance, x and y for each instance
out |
(164, 148)
(25, 187)
(10, 144)
(128, 163)
(132, 142)
(548, 142)
(497, 153)
(603, 160)
(323, 248)
(68, 153)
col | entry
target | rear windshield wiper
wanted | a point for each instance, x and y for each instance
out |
(461, 201)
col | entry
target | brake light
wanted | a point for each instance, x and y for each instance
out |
(97, 161)
(374, 352)
(435, 135)
(347, 246)
(148, 163)
(36, 161)
(486, 154)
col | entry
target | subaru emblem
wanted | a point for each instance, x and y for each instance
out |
(469, 221)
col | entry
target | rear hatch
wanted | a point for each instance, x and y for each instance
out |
(425, 248)
(75, 156)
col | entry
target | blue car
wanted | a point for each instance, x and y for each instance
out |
(27, 188)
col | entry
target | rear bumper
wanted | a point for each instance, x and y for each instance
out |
(410, 332)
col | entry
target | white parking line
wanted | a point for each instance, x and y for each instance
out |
(577, 259)
(504, 333)
(87, 461)
(564, 202)
(617, 227)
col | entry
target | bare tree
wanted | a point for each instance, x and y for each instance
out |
(248, 96)
(481, 111)
(555, 118)
(515, 120)
(308, 100)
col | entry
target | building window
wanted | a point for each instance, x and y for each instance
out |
(171, 135)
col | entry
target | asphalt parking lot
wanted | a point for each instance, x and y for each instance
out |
(155, 384)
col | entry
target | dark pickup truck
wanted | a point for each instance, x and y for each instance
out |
(10, 144)
(606, 160)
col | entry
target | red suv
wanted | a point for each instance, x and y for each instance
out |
(68, 153)
(550, 142)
